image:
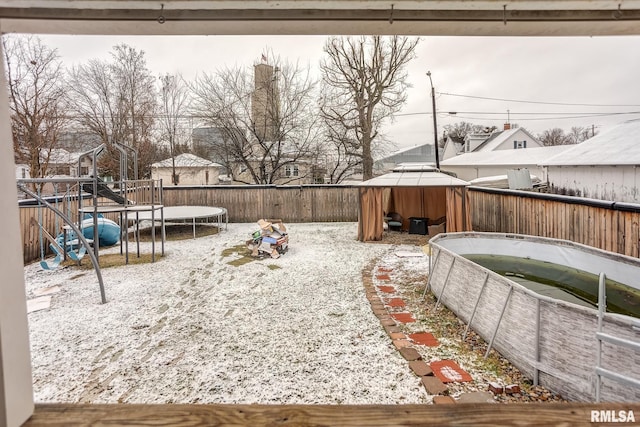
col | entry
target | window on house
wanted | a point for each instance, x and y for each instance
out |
(519, 144)
(291, 171)
(24, 172)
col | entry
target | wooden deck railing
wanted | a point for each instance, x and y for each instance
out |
(459, 414)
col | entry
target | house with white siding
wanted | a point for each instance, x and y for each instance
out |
(488, 154)
(190, 170)
(22, 171)
(606, 166)
(483, 164)
(508, 139)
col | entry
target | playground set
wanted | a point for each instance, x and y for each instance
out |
(81, 206)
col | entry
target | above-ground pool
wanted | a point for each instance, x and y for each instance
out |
(548, 332)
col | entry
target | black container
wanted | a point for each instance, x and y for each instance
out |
(418, 225)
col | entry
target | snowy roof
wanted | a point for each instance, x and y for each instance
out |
(617, 145)
(521, 156)
(61, 156)
(415, 167)
(497, 138)
(405, 149)
(414, 179)
(185, 160)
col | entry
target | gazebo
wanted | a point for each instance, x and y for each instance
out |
(412, 191)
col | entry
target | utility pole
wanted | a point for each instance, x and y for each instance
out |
(435, 124)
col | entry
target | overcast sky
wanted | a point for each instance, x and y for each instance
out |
(600, 73)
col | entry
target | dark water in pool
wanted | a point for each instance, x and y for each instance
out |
(562, 282)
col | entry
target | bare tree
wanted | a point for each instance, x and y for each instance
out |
(579, 134)
(267, 120)
(341, 159)
(462, 129)
(115, 100)
(555, 136)
(36, 99)
(364, 83)
(174, 103)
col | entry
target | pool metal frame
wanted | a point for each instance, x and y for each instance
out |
(544, 337)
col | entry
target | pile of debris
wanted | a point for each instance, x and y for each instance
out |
(271, 240)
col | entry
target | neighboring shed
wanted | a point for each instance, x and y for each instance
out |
(482, 164)
(418, 154)
(605, 167)
(416, 192)
(190, 169)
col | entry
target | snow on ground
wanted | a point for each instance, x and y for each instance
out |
(192, 328)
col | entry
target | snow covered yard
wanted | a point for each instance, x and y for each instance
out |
(192, 328)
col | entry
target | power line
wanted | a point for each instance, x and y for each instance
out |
(538, 118)
(538, 102)
(452, 113)
(576, 115)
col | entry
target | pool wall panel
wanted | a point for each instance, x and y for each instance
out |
(566, 333)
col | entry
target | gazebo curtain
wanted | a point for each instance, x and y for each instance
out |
(421, 202)
(458, 215)
(371, 217)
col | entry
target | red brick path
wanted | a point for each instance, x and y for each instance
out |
(434, 375)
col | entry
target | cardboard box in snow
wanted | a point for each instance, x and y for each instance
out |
(270, 240)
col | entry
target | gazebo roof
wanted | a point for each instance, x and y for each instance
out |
(414, 179)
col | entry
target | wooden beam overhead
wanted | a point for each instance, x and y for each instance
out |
(529, 18)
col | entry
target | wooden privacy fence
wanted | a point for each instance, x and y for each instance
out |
(304, 203)
(612, 226)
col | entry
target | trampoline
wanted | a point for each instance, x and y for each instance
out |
(191, 214)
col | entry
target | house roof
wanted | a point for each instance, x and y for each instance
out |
(403, 152)
(61, 156)
(414, 179)
(415, 167)
(497, 138)
(185, 160)
(406, 149)
(617, 145)
(456, 144)
(519, 157)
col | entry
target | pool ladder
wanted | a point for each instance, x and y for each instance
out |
(603, 337)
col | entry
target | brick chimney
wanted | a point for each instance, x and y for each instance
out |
(507, 126)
